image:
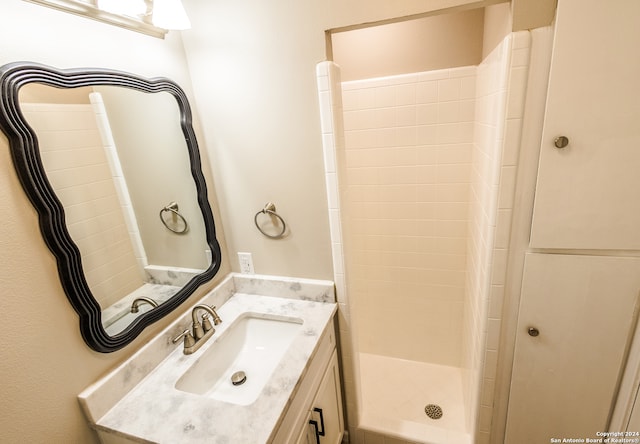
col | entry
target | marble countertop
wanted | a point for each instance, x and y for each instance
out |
(138, 400)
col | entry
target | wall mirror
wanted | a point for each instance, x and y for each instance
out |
(111, 164)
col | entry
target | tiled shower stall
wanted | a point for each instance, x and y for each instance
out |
(420, 173)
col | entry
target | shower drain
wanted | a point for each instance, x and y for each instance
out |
(433, 411)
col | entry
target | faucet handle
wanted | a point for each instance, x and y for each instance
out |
(198, 331)
(216, 318)
(206, 323)
(189, 340)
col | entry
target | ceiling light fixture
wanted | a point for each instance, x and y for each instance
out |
(170, 14)
(130, 8)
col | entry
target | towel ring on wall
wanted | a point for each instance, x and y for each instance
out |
(173, 208)
(270, 209)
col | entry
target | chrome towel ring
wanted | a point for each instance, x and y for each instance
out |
(270, 209)
(173, 208)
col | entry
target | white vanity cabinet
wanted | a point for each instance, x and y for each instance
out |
(315, 413)
(325, 423)
(306, 435)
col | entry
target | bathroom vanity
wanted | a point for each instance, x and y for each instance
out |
(269, 373)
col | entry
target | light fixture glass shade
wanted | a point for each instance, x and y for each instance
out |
(170, 14)
(130, 8)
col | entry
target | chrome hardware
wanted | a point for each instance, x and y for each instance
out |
(216, 318)
(561, 141)
(206, 322)
(533, 331)
(135, 306)
(201, 331)
(198, 331)
(173, 209)
(189, 341)
(210, 309)
(270, 209)
(238, 378)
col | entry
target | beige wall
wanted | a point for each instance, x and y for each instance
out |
(45, 362)
(347, 13)
(527, 14)
(530, 14)
(253, 69)
(390, 49)
(497, 25)
(424, 44)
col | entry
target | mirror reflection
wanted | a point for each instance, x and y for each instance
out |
(118, 161)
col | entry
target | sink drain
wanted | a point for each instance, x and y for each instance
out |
(238, 378)
(433, 411)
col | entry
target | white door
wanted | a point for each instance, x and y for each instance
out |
(564, 379)
(588, 193)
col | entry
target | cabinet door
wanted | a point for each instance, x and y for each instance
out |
(327, 407)
(564, 379)
(634, 420)
(588, 193)
(307, 435)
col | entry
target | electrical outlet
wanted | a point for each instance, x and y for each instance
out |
(246, 263)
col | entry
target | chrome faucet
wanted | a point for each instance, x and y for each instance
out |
(135, 306)
(201, 331)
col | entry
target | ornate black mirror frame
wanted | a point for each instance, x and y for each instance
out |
(25, 154)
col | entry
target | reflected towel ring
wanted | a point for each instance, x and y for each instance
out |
(270, 209)
(173, 208)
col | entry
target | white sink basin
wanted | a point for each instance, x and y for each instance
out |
(253, 344)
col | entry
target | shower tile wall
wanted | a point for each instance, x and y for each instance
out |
(331, 122)
(408, 148)
(501, 88)
(77, 168)
(120, 183)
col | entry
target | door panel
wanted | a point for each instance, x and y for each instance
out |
(564, 379)
(588, 193)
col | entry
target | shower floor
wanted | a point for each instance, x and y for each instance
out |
(396, 391)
